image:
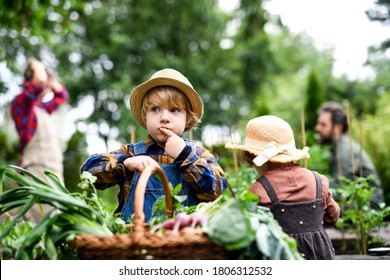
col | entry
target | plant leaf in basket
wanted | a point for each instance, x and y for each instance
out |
(231, 227)
(159, 205)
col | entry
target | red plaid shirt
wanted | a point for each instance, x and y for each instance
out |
(23, 113)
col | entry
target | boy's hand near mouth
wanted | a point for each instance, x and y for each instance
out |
(174, 145)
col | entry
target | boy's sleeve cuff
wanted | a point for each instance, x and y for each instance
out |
(121, 165)
(184, 154)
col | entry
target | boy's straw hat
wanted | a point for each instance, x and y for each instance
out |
(271, 139)
(165, 77)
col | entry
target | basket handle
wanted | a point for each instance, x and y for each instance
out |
(139, 197)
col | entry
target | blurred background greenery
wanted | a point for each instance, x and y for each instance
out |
(102, 49)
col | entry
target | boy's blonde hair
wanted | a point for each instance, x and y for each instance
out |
(170, 96)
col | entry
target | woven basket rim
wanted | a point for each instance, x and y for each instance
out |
(130, 244)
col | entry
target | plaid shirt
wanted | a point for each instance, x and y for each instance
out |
(200, 169)
(23, 113)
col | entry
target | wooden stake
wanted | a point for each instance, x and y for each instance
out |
(350, 141)
(338, 158)
(359, 210)
(361, 149)
(132, 134)
(303, 132)
(235, 160)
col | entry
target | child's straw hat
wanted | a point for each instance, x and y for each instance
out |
(271, 139)
(165, 77)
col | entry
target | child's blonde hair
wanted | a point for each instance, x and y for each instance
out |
(170, 96)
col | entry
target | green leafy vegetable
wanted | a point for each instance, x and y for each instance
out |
(231, 226)
(74, 213)
(235, 221)
(239, 224)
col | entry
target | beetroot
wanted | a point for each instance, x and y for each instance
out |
(197, 219)
(181, 220)
(168, 224)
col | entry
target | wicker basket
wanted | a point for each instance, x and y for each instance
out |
(139, 243)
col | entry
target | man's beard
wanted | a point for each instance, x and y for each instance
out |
(322, 140)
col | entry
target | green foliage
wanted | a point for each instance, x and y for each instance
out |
(259, 72)
(243, 178)
(9, 149)
(257, 61)
(28, 25)
(159, 205)
(15, 237)
(297, 57)
(356, 214)
(231, 227)
(141, 37)
(319, 159)
(376, 141)
(236, 222)
(380, 13)
(113, 222)
(314, 98)
(74, 156)
(103, 49)
(75, 213)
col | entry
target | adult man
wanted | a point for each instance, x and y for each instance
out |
(332, 127)
(39, 144)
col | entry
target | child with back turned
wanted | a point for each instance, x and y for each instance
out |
(298, 198)
(166, 105)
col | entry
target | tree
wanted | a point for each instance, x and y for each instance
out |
(381, 13)
(140, 38)
(296, 57)
(27, 25)
(314, 99)
(104, 48)
(373, 133)
(257, 62)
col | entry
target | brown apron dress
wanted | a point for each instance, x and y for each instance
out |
(43, 152)
(303, 221)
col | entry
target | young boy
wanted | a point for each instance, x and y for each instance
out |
(298, 198)
(166, 105)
